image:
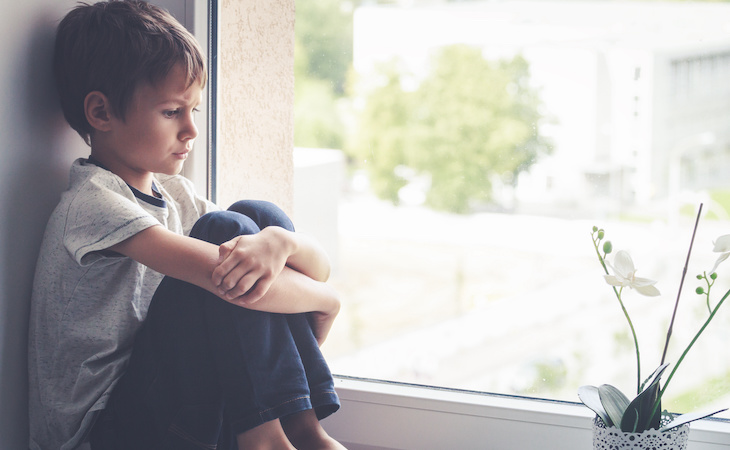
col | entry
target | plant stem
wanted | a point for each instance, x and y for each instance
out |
(681, 283)
(709, 289)
(636, 341)
(681, 358)
(628, 318)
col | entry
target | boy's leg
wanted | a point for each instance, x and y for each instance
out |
(263, 213)
(319, 377)
(267, 436)
(200, 363)
(303, 428)
(304, 363)
(304, 431)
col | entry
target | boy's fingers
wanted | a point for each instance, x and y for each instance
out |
(252, 284)
(254, 294)
(244, 285)
(221, 272)
(224, 250)
(225, 264)
(228, 274)
(237, 270)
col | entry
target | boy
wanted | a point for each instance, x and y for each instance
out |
(221, 353)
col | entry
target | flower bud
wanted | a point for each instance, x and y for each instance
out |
(713, 275)
(600, 234)
(595, 228)
(700, 290)
(699, 277)
(607, 247)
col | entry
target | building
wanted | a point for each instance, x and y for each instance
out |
(636, 93)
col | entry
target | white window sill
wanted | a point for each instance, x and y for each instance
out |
(380, 415)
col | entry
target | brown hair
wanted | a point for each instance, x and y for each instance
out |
(112, 47)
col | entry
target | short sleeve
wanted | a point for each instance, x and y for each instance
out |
(190, 205)
(103, 212)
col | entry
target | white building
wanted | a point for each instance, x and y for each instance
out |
(640, 92)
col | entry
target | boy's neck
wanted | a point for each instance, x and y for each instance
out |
(140, 180)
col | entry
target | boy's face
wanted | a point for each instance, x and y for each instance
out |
(158, 131)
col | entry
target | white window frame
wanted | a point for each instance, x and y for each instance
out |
(382, 415)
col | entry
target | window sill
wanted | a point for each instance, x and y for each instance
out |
(380, 415)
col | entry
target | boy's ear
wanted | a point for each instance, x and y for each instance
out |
(98, 111)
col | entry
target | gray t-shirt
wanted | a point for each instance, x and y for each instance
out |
(87, 301)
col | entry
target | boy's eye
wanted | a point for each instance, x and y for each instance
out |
(171, 113)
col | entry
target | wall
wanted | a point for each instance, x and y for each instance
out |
(37, 148)
(255, 108)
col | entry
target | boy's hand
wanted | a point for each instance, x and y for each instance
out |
(248, 265)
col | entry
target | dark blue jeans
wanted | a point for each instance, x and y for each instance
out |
(203, 370)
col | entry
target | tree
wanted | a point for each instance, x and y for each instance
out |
(322, 58)
(381, 139)
(323, 29)
(468, 122)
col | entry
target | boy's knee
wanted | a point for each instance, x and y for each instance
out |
(263, 213)
(218, 227)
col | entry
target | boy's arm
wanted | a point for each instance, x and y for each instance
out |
(303, 253)
(247, 271)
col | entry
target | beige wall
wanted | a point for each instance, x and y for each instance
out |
(256, 95)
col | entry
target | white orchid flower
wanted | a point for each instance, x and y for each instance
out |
(722, 246)
(624, 274)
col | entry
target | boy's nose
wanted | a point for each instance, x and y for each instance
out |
(190, 131)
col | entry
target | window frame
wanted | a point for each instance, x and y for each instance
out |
(380, 415)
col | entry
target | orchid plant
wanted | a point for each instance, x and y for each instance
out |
(644, 411)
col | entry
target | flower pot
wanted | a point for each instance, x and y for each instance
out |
(614, 439)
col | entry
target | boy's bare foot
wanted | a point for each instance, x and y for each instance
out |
(305, 432)
(267, 436)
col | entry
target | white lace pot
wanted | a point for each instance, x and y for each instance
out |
(614, 439)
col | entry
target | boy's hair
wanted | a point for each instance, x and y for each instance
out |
(112, 47)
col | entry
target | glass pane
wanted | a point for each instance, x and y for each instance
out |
(478, 144)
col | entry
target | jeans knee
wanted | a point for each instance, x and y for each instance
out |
(218, 227)
(263, 213)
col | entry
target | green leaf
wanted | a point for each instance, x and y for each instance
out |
(613, 401)
(638, 416)
(654, 376)
(590, 397)
(687, 418)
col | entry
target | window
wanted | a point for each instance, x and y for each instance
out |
(200, 18)
(464, 256)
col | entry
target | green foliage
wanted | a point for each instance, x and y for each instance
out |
(469, 121)
(322, 59)
(323, 30)
(722, 198)
(703, 394)
(317, 123)
(382, 136)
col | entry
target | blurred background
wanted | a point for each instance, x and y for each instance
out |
(454, 156)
